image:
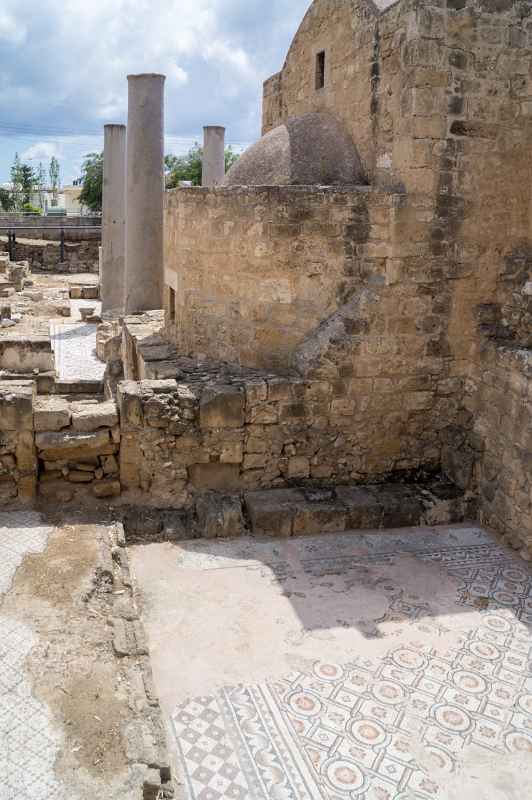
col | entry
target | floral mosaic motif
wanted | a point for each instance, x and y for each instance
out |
(345, 731)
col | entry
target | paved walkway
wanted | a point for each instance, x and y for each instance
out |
(74, 345)
(390, 666)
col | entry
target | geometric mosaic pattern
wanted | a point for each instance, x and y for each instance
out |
(346, 731)
(28, 744)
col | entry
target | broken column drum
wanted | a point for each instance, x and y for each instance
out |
(113, 219)
(144, 193)
(213, 166)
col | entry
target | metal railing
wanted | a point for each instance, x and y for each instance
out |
(12, 235)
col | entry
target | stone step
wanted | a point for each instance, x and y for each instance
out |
(78, 387)
(302, 511)
(299, 511)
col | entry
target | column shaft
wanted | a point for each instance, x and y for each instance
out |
(144, 193)
(213, 167)
(113, 219)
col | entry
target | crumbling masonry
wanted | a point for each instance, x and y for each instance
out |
(346, 336)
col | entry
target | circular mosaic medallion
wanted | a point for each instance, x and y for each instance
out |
(518, 742)
(328, 672)
(304, 704)
(526, 703)
(344, 775)
(408, 659)
(485, 650)
(439, 759)
(469, 682)
(388, 692)
(453, 719)
(505, 598)
(514, 574)
(497, 623)
(368, 732)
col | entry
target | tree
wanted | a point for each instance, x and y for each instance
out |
(23, 181)
(7, 199)
(188, 167)
(92, 182)
(41, 184)
(55, 179)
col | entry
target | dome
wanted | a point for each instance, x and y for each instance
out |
(306, 150)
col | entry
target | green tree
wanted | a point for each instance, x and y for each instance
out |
(23, 181)
(92, 182)
(7, 200)
(55, 179)
(188, 167)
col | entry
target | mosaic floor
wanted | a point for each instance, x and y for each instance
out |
(413, 719)
(74, 345)
(28, 742)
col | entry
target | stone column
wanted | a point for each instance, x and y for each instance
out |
(213, 167)
(112, 272)
(144, 193)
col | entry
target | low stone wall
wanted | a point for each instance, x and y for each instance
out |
(503, 403)
(77, 444)
(41, 224)
(220, 430)
(18, 463)
(45, 256)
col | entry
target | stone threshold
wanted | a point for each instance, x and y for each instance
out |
(303, 510)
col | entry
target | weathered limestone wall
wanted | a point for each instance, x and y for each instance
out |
(18, 462)
(255, 269)
(45, 256)
(358, 47)
(502, 406)
(77, 445)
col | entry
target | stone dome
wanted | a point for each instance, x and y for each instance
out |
(306, 150)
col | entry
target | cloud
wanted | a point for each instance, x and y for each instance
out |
(64, 66)
(12, 31)
(41, 151)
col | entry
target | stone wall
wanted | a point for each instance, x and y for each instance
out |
(49, 227)
(255, 269)
(45, 256)
(77, 444)
(502, 406)
(18, 463)
(219, 429)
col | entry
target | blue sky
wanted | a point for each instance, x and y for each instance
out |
(63, 67)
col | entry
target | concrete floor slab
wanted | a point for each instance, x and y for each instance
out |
(387, 666)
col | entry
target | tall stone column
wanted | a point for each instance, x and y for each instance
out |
(144, 193)
(213, 167)
(112, 274)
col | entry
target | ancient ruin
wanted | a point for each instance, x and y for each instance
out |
(332, 338)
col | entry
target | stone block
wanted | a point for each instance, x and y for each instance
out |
(363, 510)
(16, 405)
(222, 407)
(73, 446)
(90, 416)
(298, 467)
(215, 476)
(106, 488)
(129, 397)
(219, 516)
(319, 511)
(60, 491)
(271, 512)
(50, 413)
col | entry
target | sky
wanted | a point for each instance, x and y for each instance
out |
(63, 68)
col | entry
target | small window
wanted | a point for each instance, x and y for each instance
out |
(320, 70)
(171, 304)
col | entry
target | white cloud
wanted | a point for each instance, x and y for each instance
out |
(41, 151)
(12, 30)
